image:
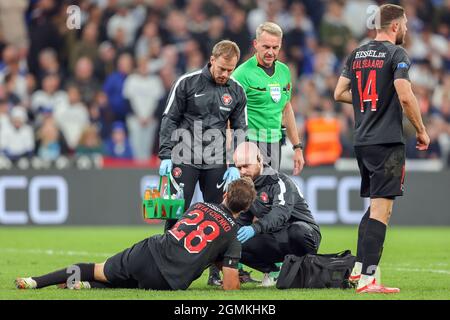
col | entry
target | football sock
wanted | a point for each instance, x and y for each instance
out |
(372, 246)
(361, 232)
(357, 269)
(61, 276)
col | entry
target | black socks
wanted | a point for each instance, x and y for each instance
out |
(85, 273)
(372, 246)
(361, 233)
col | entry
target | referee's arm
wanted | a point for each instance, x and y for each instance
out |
(292, 133)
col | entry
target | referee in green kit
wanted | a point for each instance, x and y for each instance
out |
(267, 84)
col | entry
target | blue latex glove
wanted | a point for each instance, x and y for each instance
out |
(230, 175)
(165, 167)
(245, 233)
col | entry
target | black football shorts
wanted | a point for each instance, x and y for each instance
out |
(135, 268)
(382, 169)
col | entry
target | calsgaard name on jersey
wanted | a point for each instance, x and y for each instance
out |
(371, 59)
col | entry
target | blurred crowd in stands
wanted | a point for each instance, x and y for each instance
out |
(101, 89)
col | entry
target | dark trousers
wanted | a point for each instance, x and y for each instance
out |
(210, 181)
(264, 250)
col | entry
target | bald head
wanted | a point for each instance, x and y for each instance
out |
(248, 159)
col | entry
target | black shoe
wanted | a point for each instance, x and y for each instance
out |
(214, 277)
(244, 277)
(214, 280)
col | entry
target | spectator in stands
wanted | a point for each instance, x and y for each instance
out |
(85, 80)
(17, 139)
(237, 31)
(49, 64)
(12, 13)
(100, 115)
(214, 34)
(4, 117)
(126, 20)
(72, 117)
(42, 31)
(141, 123)
(295, 39)
(105, 63)
(90, 143)
(87, 46)
(118, 145)
(333, 31)
(149, 34)
(13, 67)
(322, 135)
(268, 10)
(178, 33)
(193, 56)
(9, 87)
(168, 77)
(113, 87)
(50, 142)
(50, 96)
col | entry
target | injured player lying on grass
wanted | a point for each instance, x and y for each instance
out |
(205, 234)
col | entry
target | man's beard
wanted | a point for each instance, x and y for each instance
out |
(400, 39)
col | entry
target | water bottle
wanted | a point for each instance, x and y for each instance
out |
(180, 195)
(148, 193)
(155, 193)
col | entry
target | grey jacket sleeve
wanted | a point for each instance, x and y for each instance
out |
(239, 124)
(172, 116)
(280, 213)
(238, 117)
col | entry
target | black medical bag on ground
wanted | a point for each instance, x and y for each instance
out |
(316, 271)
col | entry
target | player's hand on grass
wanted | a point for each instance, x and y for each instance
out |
(245, 233)
(423, 141)
(299, 161)
(230, 175)
(165, 167)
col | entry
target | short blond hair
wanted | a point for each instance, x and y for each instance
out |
(269, 27)
(226, 48)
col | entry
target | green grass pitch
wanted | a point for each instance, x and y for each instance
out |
(416, 259)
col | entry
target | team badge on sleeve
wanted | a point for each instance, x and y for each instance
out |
(226, 99)
(402, 65)
(264, 197)
(177, 172)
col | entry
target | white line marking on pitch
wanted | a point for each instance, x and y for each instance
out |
(52, 252)
(419, 270)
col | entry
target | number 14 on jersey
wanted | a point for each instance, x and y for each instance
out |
(370, 90)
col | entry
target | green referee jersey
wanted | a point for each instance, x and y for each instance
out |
(266, 98)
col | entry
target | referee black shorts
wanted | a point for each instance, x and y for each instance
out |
(135, 268)
(382, 169)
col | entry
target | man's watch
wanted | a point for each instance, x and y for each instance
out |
(297, 146)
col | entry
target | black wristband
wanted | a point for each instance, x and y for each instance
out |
(297, 146)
